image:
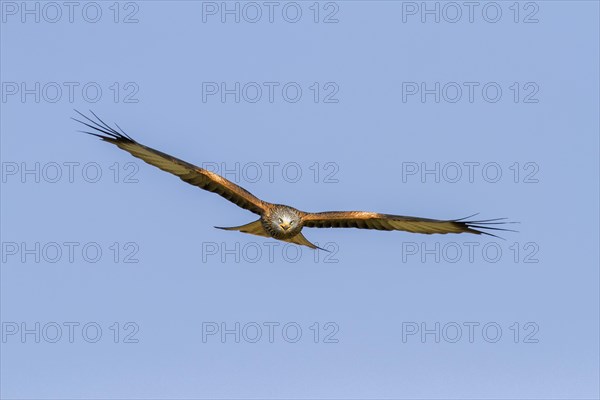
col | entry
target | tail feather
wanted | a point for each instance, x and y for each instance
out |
(301, 240)
(256, 228)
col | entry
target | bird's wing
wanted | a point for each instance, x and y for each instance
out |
(386, 222)
(187, 172)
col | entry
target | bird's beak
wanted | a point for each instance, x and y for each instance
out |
(285, 227)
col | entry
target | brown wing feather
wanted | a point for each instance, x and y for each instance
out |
(386, 222)
(189, 173)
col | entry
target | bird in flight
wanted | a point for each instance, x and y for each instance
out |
(279, 221)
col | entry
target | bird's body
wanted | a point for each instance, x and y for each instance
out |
(280, 221)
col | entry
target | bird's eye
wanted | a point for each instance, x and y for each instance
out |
(280, 220)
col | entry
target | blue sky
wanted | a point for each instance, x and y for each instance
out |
(116, 285)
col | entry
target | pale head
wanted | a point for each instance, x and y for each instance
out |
(284, 221)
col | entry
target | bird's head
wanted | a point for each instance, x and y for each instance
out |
(285, 220)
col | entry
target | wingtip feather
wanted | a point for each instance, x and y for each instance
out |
(104, 131)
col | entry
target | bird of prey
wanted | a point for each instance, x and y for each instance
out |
(279, 221)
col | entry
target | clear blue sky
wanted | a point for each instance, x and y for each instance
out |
(335, 114)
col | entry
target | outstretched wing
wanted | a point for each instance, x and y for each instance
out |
(187, 172)
(386, 222)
